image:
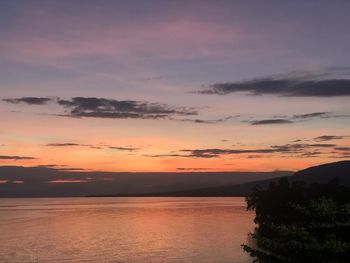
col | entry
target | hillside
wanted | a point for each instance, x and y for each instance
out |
(325, 172)
(317, 174)
(17, 181)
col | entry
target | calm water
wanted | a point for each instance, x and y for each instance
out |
(135, 230)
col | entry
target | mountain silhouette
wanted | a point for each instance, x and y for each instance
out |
(317, 174)
(325, 173)
(17, 181)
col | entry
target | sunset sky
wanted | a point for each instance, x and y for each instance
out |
(174, 85)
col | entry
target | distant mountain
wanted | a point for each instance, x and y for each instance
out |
(325, 173)
(17, 181)
(318, 174)
(220, 191)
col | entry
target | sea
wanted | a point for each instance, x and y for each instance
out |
(125, 230)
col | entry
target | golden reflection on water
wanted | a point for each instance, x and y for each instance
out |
(124, 230)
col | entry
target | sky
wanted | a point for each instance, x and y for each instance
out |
(174, 85)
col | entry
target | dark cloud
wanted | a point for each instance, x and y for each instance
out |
(208, 121)
(311, 154)
(109, 108)
(297, 140)
(123, 148)
(328, 138)
(322, 145)
(73, 145)
(294, 148)
(214, 153)
(342, 149)
(99, 146)
(271, 121)
(63, 144)
(9, 157)
(29, 100)
(255, 156)
(295, 118)
(311, 115)
(288, 86)
(287, 148)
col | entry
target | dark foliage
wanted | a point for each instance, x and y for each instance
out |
(300, 223)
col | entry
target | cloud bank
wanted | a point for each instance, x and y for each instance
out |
(288, 86)
(29, 100)
(305, 150)
(108, 108)
(296, 118)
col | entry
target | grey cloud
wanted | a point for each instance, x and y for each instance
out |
(72, 145)
(287, 86)
(327, 145)
(311, 115)
(288, 148)
(123, 148)
(91, 107)
(296, 148)
(214, 153)
(109, 108)
(208, 121)
(271, 121)
(9, 157)
(311, 154)
(99, 146)
(295, 118)
(255, 156)
(29, 100)
(342, 149)
(63, 144)
(328, 138)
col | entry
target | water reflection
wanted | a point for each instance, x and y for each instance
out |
(124, 230)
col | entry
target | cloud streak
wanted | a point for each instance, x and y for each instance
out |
(297, 118)
(109, 108)
(312, 115)
(99, 146)
(271, 121)
(92, 107)
(301, 149)
(214, 121)
(14, 157)
(130, 149)
(324, 138)
(287, 86)
(28, 100)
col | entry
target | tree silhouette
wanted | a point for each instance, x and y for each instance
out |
(300, 223)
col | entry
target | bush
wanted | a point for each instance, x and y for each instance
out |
(299, 223)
